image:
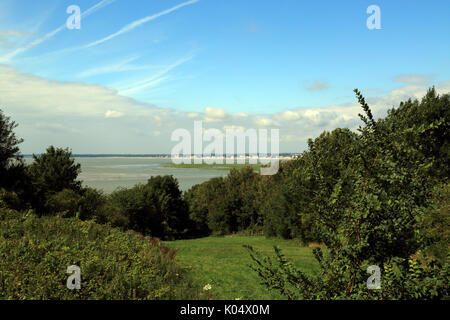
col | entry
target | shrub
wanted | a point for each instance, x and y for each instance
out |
(156, 208)
(108, 213)
(91, 201)
(50, 173)
(226, 205)
(65, 203)
(36, 251)
(10, 199)
(376, 208)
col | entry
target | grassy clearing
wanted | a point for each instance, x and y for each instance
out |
(223, 263)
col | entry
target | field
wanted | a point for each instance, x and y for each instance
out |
(224, 263)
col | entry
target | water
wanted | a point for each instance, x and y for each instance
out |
(109, 173)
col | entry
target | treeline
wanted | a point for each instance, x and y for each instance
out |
(49, 187)
(403, 157)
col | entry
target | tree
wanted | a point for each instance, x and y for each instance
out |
(202, 202)
(373, 210)
(11, 162)
(170, 205)
(156, 208)
(50, 173)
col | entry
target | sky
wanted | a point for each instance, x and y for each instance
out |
(137, 70)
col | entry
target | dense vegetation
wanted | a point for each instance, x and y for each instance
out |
(376, 197)
(35, 253)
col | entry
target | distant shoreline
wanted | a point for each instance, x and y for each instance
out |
(146, 156)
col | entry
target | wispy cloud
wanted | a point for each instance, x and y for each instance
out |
(140, 22)
(411, 78)
(121, 66)
(318, 86)
(51, 34)
(155, 79)
(7, 33)
(8, 38)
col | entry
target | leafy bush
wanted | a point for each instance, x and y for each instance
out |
(91, 201)
(226, 205)
(374, 204)
(50, 173)
(65, 203)
(156, 208)
(108, 213)
(35, 253)
(9, 199)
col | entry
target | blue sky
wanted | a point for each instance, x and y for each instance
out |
(261, 58)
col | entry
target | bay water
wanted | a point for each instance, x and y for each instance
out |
(109, 173)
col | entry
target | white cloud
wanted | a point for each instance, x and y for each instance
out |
(233, 127)
(265, 122)
(113, 114)
(215, 114)
(411, 78)
(77, 115)
(241, 114)
(289, 115)
(292, 138)
(193, 115)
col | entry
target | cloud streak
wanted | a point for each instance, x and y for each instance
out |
(121, 66)
(155, 79)
(48, 36)
(137, 23)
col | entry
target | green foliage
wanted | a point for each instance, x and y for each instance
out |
(200, 199)
(35, 253)
(371, 197)
(50, 173)
(11, 162)
(65, 203)
(226, 205)
(165, 194)
(156, 208)
(9, 199)
(92, 200)
(108, 213)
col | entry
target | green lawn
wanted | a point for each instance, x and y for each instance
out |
(223, 263)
